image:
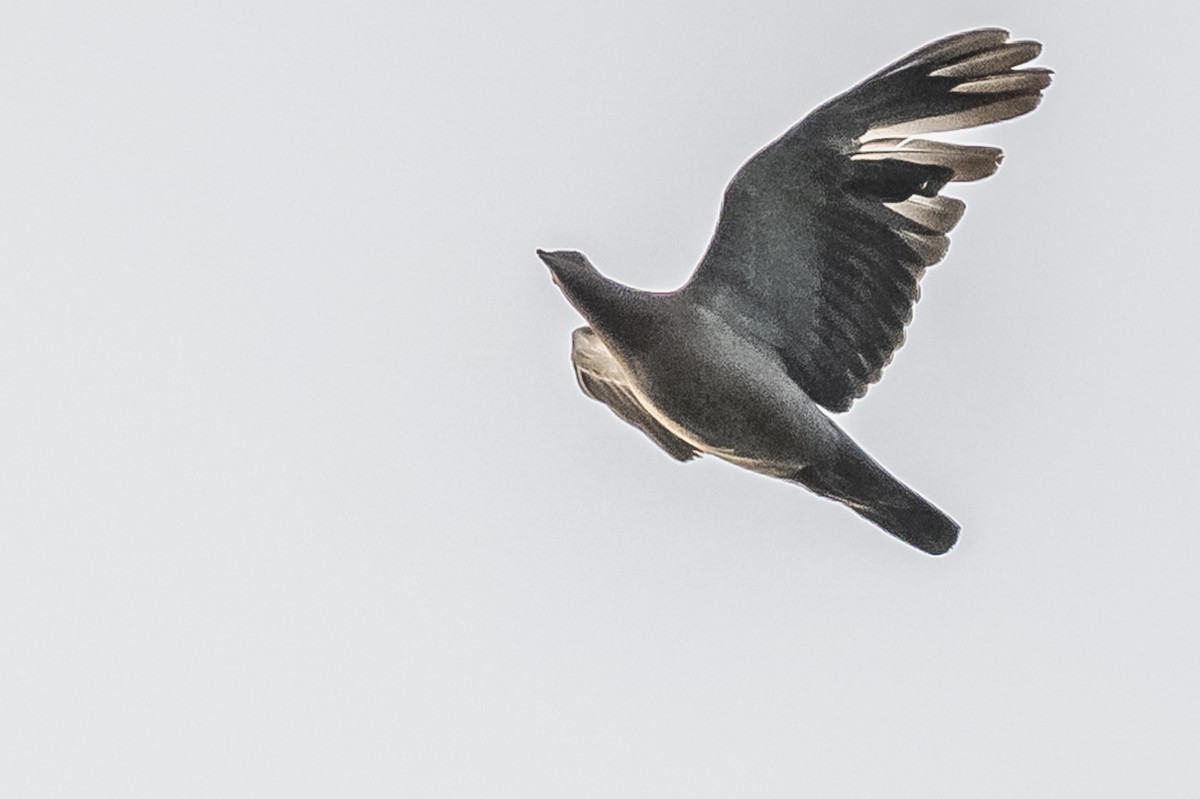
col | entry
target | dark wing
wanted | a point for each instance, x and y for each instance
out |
(603, 379)
(825, 233)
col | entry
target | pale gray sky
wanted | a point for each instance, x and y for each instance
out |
(298, 496)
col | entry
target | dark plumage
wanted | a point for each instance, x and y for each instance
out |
(810, 279)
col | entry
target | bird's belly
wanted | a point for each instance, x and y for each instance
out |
(743, 408)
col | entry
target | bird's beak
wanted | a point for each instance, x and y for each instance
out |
(548, 260)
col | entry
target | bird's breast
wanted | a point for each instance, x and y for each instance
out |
(727, 394)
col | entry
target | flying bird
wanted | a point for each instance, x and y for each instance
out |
(805, 290)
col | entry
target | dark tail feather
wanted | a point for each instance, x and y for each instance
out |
(872, 493)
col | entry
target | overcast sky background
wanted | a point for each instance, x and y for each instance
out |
(298, 496)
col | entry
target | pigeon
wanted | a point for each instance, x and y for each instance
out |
(804, 293)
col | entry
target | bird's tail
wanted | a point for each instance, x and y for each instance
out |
(867, 489)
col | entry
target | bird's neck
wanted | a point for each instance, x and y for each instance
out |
(624, 316)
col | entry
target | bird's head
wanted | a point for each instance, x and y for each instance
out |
(609, 307)
(579, 281)
(568, 268)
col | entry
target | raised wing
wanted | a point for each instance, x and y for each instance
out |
(603, 379)
(825, 233)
